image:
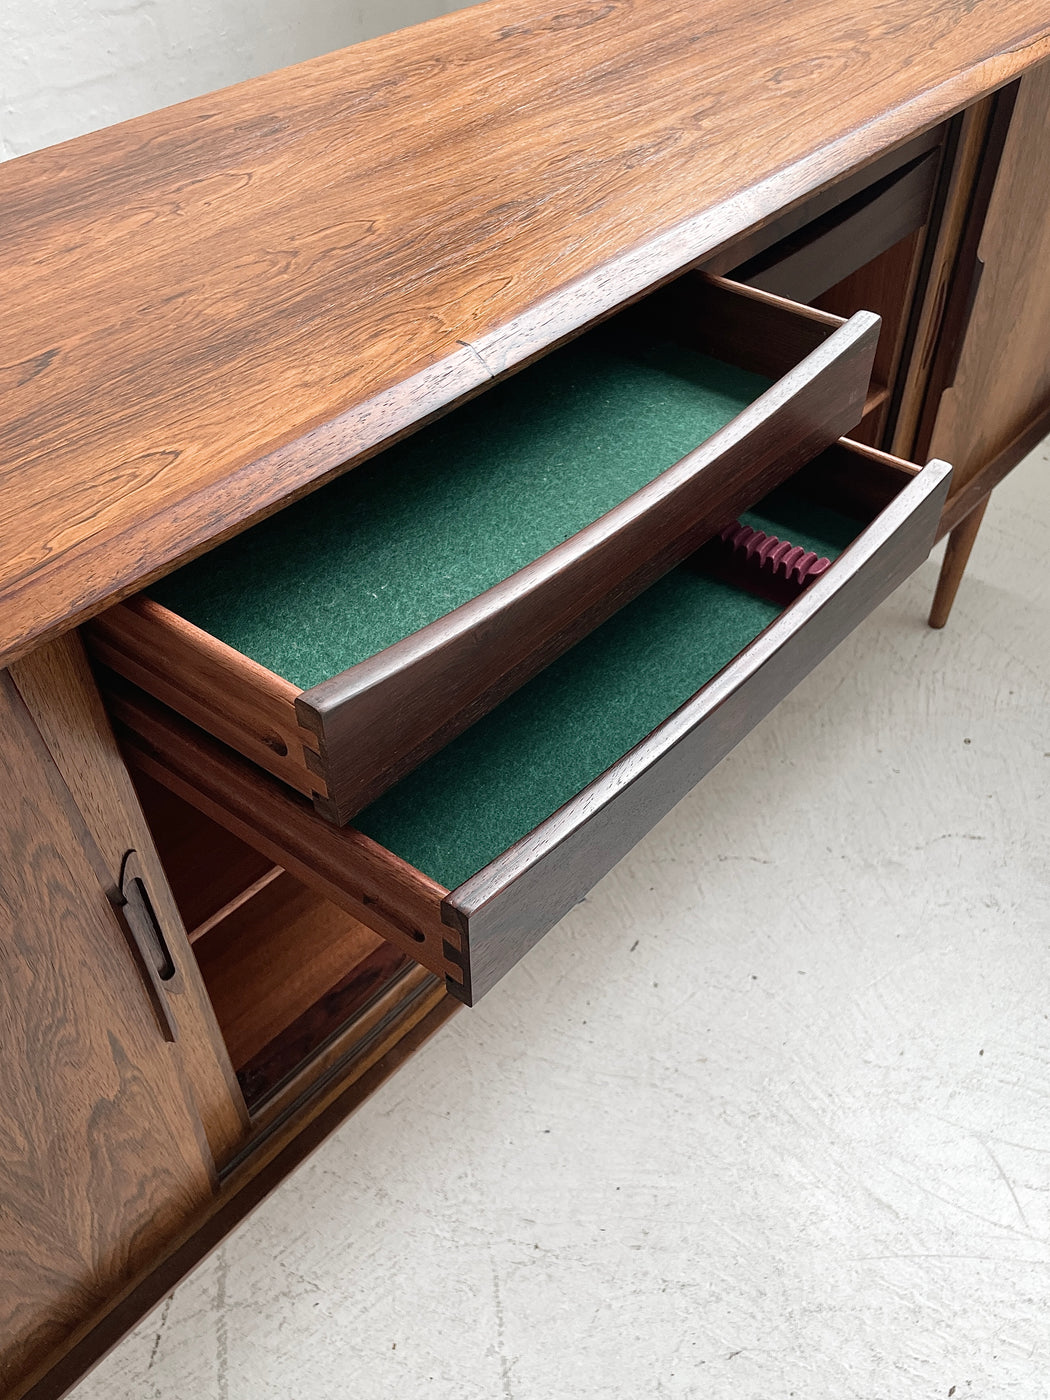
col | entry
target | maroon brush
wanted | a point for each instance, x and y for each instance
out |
(761, 564)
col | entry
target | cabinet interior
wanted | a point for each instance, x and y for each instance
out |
(886, 285)
(286, 970)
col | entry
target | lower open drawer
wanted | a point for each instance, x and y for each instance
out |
(470, 859)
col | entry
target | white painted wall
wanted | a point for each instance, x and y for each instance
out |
(70, 66)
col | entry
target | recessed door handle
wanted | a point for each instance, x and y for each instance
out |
(141, 927)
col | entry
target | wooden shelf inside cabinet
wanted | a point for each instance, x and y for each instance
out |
(876, 397)
(286, 971)
(208, 869)
(346, 738)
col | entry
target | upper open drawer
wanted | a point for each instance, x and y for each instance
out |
(472, 857)
(344, 641)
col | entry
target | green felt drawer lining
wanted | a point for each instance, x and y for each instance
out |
(460, 506)
(512, 769)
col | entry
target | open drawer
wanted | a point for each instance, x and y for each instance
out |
(344, 641)
(477, 853)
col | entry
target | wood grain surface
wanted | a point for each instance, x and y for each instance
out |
(1001, 381)
(365, 1062)
(229, 694)
(57, 686)
(207, 310)
(103, 1156)
(966, 142)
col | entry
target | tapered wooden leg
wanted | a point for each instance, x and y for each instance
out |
(960, 542)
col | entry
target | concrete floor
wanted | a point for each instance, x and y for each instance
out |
(767, 1116)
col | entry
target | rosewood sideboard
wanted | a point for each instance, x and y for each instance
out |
(299, 759)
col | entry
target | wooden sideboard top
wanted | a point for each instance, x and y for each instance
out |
(206, 310)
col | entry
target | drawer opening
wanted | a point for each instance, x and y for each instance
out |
(839, 243)
(342, 642)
